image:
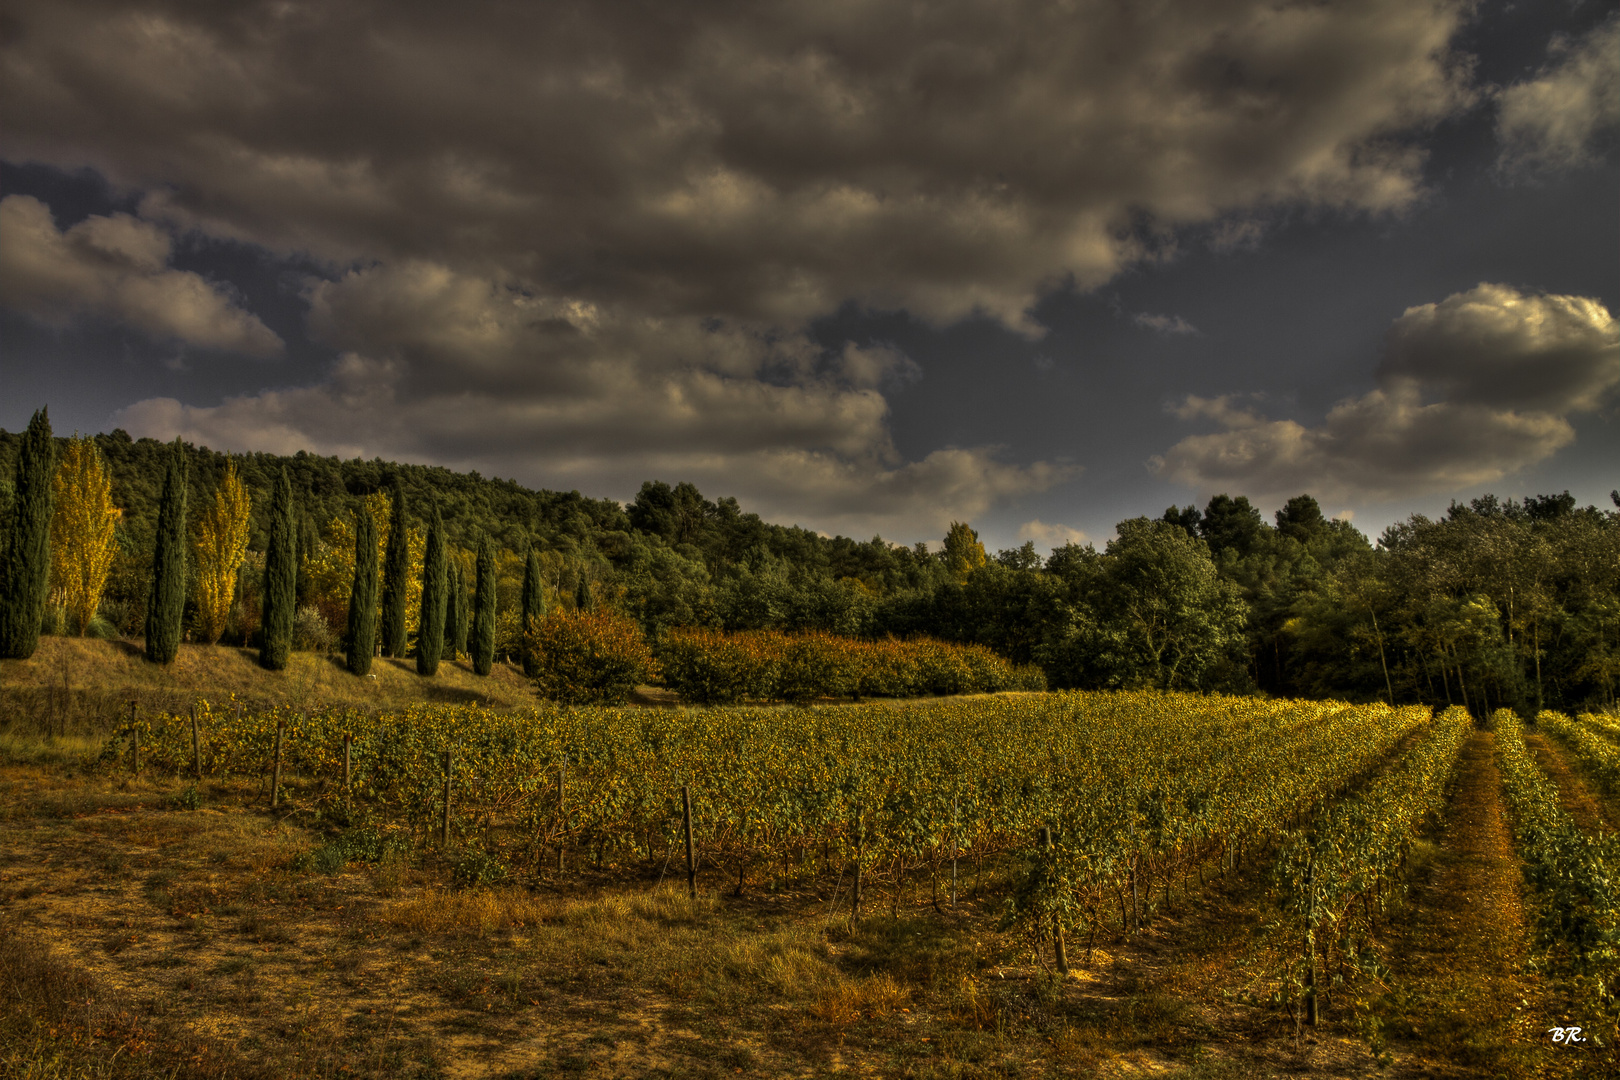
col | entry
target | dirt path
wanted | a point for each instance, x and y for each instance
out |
(1579, 799)
(1576, 795)
(1460, 997)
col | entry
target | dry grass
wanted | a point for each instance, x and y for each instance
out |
(82, 686)
(474, 913)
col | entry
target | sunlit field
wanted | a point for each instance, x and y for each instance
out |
(1086, 884)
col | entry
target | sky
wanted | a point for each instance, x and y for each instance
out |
(870, 267)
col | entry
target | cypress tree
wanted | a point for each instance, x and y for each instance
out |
(483, 638)
(25, 549)
(396, 575)
(534, 609)
(167, 605)
(455, 611)
(430, 627)
(363, 594)
(582, 594)
(280, 578)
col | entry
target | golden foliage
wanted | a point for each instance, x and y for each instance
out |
(82, 532)
(963, 551)
(222, 537)
(330, 567)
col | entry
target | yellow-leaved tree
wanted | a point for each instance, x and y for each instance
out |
(963, 552)
(82, 532)
(222, 537)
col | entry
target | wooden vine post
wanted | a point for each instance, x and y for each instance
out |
(275, 777)
(956, 845)
(855, 889)
(1310, 940)
(348, 760)
(444, 823)
(1057, 920)
(134, 743)
(562, 779)
(691, 853)
(196, 744)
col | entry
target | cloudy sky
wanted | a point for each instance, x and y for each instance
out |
(868, 266)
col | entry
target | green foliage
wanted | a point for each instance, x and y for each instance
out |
(590, 657)
(455, 611)
(476, 866)
(533, 606)
(280, 593)
(430, 629)
(483, 637)
(25, 546)
(709, 667)
(167, 605)
(362, 634)
(1578, 920)
(396, 569)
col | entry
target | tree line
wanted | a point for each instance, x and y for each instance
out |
(1497, 602)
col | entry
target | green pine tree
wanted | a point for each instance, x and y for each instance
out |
(483, 637)
(280, 578)
(396, 575)
(582, 593)
(534, 609)
(455, 611)
(166, 607)
(25, 549)
(363, 594)
(430, 628)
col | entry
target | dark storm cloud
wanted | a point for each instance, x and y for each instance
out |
(1470, 390)
(762, 161)
(586, 243)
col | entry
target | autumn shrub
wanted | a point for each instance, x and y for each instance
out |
(708, 667)
(590, 657)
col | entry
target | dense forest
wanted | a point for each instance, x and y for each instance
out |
(1498, 602)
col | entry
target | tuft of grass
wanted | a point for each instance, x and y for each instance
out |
(469, 912)
(877, 996)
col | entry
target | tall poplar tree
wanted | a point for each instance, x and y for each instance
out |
(222, 537)
(280, 578)
(167, 605)
(396, 574)
(483, 637)
(430, 628)
(362, 633)
(83, 529)
(534, 609)
(25, 550)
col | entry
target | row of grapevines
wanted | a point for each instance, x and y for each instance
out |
(1348, 858)
(1600, 755)
(1138, 787)
(1578, 921)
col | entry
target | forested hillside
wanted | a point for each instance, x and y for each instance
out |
(1499, 602)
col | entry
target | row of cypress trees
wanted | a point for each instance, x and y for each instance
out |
(444, 627)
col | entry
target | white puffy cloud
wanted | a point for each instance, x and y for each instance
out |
(766, 162)
(116, 267)
(1050, 536)
(1164, 324)
(1551, 121)
(1470, 390)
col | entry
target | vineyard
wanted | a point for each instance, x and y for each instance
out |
(1134, 791)
(1066, 826)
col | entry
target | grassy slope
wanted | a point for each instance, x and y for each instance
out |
(89, 683)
